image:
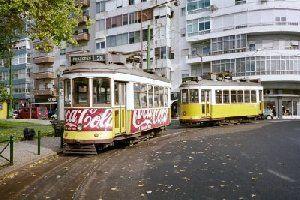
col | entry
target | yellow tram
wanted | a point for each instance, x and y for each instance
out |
(215, 100)
(107, 102)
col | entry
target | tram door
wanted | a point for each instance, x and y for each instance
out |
(119, 108)
(205, 98)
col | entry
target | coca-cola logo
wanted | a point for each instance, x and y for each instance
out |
(90, 119)
(145, 119)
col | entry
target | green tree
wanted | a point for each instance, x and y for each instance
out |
(4, 95)
(46, 22)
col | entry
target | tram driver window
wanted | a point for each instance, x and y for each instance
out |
(218, 96)
(247, 96)
(184, 97)
(166, 97)
(67, 89)
(101, 92)
(80, 93)
(194, 96)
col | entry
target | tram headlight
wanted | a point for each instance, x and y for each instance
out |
(79, 127)
(184, 113)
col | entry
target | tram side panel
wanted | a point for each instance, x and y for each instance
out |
(149, 118)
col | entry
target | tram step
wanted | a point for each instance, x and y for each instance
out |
(84, 149)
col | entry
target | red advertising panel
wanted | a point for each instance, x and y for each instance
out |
(89, 119)
(144, 119)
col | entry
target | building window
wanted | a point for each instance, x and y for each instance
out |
(183, 11)
(131, 2)
(239, 2)
(197, 5)
(100, 6)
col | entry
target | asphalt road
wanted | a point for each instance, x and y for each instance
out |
(249, 161)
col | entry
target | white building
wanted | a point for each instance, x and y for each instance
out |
(116, 26)
(251, 39)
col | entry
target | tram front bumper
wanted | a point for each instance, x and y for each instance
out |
(88, 137)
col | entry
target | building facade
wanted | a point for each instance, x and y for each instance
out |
(122, 26)
(21, 70)
(250, 39)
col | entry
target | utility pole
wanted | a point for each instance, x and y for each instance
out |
(10, 82)
(148, 48)
(141, 38)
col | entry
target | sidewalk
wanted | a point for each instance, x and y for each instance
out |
(36, 121)
(25, 152)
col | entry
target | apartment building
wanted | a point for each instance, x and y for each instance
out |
(21, 67)
(251, 39)
(122, 26)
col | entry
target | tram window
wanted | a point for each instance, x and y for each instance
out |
(184, 95)
(247, 96)
(233, 96)
(119, 93)
(161, 96)
(253, 96)
(80, 92)
(260, 95)
(67, 89)
(101, 92)
(166, 95)
(240, 96)
(194, 95)
(150, 96)
(143, 96)
(225, 96)
(202, 96)
(156, 96)
(219, 96)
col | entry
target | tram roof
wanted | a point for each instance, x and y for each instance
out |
(204, 82)
(98, 67)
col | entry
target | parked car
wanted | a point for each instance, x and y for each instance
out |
(40, 112)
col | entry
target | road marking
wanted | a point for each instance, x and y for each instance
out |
(286, 178)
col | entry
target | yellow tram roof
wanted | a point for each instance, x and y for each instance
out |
(98, 67)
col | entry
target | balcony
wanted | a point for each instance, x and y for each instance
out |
(44, 60)
(82, 37)
(83, 3)
(43, 75)
(83, 20)
(45, 92)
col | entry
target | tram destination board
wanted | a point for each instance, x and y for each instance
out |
(88, 58)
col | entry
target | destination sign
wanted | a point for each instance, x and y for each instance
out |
(88, 58)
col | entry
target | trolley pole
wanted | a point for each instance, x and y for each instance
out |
(11, 150)
(148, 47)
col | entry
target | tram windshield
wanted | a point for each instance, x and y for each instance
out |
(67, 90)
(81, 92)
(101, 92)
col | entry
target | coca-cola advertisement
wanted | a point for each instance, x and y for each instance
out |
(89, 119)
(145, 119)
